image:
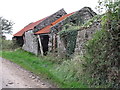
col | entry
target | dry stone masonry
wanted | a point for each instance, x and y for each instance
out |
(30, 42)
(85, 35)
(78, 18)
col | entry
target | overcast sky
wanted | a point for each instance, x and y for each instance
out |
(23, 12)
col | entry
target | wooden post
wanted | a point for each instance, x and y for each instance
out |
(41, 48)
(52, 42)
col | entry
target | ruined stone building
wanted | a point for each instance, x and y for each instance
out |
(34, 37)
(42, 36)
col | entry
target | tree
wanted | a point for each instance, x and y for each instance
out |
(5, 26)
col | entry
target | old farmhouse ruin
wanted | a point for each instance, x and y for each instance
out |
(42, 36)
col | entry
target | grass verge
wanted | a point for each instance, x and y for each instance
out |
(43, 66)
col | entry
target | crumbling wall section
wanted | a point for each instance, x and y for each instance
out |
(50, 43)
(84, 35)
(78, 18)
(30, 42)
(61, 47)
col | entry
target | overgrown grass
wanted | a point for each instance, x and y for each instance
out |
(44, 66)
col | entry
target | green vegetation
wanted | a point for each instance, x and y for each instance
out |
(102, 51)
(6, 44)
(45, 66)
(97, 68)
(69, 37)
(96, 62)
(5, 26)
(69, 33)
(101, 61)
(90, 22)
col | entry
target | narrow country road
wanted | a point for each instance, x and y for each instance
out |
(13, 76)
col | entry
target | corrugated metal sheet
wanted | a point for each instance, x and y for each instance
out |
(47, 29)
(62, 18)
(28, 27)
(44, 30)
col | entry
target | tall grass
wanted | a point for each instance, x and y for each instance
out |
(6, 44)
(53, 68)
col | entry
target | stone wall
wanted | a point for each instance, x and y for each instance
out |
(61, 47)
(50, 19)
(85, 35)
(50, 43)
(82, 37)
(30, 42)
(78, 18)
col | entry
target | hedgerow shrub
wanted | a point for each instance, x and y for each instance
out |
(71, 71)
(102, 55)
(7, 44)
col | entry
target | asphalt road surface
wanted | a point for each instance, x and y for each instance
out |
(13, 76)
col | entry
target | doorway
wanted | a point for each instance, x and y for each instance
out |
(45, 41)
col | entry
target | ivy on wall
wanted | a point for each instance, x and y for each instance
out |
(102, 55)
(69, 34)
(69, 37)
(90, 22)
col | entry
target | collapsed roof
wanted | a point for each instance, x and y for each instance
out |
(45, 25)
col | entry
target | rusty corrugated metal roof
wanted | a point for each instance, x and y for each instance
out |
(44, 30)
(47, 29)
(28, 27)
(61, 18)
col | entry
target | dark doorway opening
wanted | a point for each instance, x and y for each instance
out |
(45, 41)
(18, 40)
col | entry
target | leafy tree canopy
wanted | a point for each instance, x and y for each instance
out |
(5, 26)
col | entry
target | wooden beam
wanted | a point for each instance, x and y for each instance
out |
(41, 48)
